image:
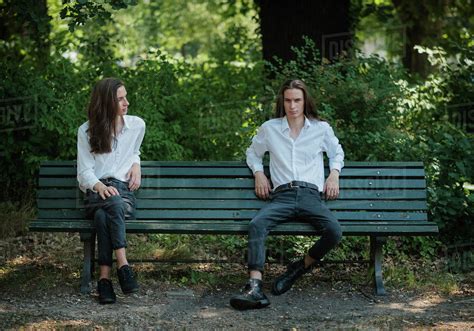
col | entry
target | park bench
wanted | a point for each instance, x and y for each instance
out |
(377, 199)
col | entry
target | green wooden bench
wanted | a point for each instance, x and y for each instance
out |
(377, 199)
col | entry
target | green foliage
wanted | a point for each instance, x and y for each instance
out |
(203, 97)
(395, 28)
(192, 110)
(436, 118)
(287, 248)
(24, 29)
(80, 11)
(154, 89)
(55, 105)
(357, 96)
(14, 218)
(379, 115)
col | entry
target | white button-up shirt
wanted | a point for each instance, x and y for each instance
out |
(300, 159)
(125, 152)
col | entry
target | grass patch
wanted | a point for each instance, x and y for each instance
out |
(422, 275)
(48, 260)
(172, 246)
(14, 218)
(41, 261)
(206, 275)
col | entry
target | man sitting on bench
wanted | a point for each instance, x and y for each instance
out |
(296, 140)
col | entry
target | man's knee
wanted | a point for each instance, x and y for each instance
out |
(334, 232)
(256, 228)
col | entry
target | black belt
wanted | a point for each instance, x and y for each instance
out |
(293, 184)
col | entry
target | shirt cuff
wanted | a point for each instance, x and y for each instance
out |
(335, 165)
(136, 159)
(91, 186)
(257, 167)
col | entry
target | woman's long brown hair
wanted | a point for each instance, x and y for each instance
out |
(102, 113)
(309, 106)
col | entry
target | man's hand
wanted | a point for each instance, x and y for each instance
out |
(105, 191)
(262, 185)
(331, 187)
(134, 176)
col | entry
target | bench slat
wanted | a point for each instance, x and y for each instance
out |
(241, 172)
(239, 228)
(240, 204)
(242, 183)
(235, 214)
(351, 194)
(194, 164)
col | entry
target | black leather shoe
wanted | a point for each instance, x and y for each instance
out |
(127, 280)
(106, 291)
(286, 280)
(252, 296)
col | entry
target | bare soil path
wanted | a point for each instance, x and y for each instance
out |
(316, 302)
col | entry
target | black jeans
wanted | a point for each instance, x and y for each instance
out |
(109, 218)
(298, 203)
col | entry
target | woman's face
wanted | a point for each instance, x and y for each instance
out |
(122, 101)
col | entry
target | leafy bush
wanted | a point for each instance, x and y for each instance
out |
(193, 111)
(438, 134)
(357, 96)
(378, 114)
(209, 110)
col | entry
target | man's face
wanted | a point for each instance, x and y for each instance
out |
(294, 103)
(122, 101)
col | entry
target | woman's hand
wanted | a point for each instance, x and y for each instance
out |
(134, 176)
(105, 191)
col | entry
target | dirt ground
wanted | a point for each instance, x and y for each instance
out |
(316, 302)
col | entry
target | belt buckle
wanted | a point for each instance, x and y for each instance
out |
(291, 185)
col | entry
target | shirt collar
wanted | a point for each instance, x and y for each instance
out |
(285, 126)
(126, 124)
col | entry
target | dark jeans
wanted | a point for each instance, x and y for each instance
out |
(109, 218)
(299, 203)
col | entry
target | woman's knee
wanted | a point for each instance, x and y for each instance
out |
(100, 218)
(114, 204)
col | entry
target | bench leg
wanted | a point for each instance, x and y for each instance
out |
(376, 257)
(87, 267)
(93, 254)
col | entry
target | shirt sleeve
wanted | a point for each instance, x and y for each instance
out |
(85, 162)
(138, 143)
(256, 151)
(333, 150)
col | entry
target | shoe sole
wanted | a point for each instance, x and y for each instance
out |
(245, 304)
(134, 290)
(106, 302)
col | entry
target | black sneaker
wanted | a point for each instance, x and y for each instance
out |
(127, 280)
(286, 280)
(106, 291)
(252, 296)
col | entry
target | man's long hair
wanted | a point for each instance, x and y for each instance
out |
(102, 113)
(309, 105)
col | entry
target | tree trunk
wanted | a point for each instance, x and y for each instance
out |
(284, 23)
(423, 21)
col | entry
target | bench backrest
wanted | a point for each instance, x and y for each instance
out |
(372, 193)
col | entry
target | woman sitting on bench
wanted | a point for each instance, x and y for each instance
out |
(108, 171)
